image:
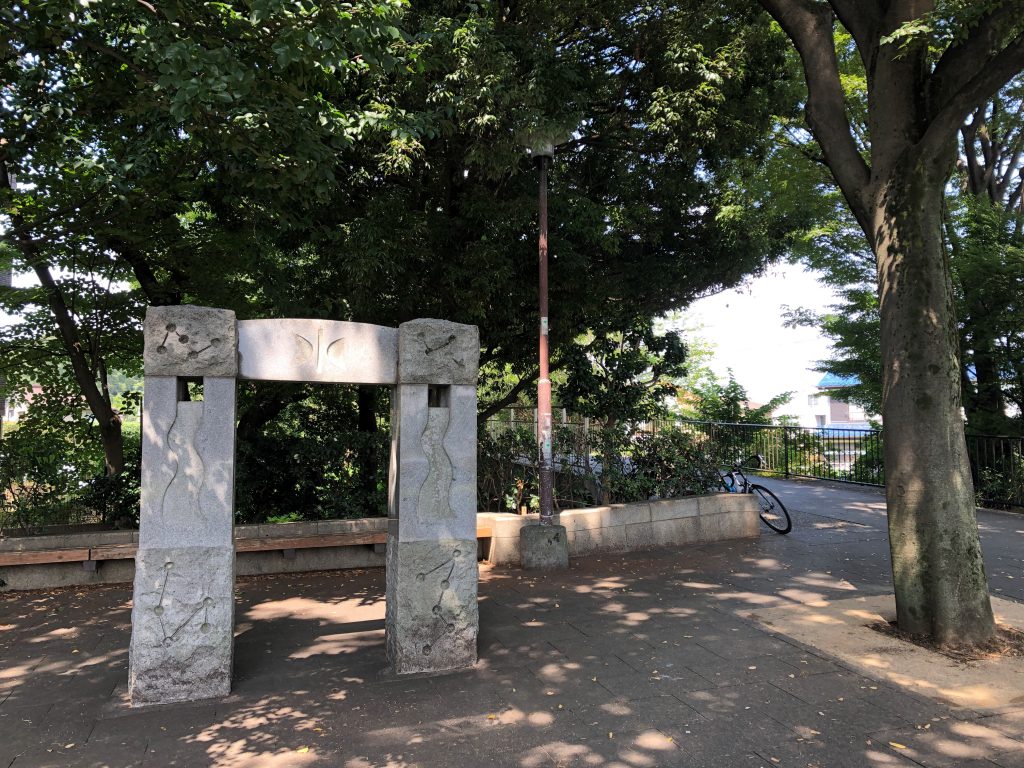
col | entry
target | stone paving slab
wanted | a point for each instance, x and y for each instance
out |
(632, 661)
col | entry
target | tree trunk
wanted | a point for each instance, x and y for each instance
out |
(608, 457)
(112, 440)
(938, 571)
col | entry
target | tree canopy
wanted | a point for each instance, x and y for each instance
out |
(366, 162)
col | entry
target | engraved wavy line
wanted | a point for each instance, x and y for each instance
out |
(426, 424)
(431, 466)
(171, 455)
(197, 441)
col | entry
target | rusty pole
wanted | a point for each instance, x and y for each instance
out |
(544, 382)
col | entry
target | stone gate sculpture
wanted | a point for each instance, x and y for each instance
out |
(183, 611)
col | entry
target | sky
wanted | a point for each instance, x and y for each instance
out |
(745, 325)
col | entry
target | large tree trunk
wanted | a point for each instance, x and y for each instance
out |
(938, 570)
(112, 440)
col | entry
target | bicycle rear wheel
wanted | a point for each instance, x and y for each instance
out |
(773, 511)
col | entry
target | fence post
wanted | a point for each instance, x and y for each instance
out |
(785, 451)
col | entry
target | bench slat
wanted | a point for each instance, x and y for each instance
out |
(35, 557)
(259, 544)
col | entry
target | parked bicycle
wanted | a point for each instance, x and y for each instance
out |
(773, 512)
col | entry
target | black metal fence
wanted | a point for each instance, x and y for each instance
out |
(824, 453)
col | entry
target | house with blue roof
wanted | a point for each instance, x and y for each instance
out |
(831, 411)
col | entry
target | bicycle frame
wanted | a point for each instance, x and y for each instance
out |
(735, 481)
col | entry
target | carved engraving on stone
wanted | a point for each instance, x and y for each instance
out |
(160, 611)
(181, 497)
(317, 350)
(433, 341)
(317, 354)
(438, 352)
(434, 501)
(443, 622)
(190, 341)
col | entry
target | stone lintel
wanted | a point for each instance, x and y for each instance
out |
(317, 350)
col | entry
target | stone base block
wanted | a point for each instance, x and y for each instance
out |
(182, 624)
(544, 547)
(431, 621)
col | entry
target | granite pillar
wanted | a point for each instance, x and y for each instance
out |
(431, 581)
(183, 609)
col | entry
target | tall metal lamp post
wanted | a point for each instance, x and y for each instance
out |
(5, 282)
(543, 152)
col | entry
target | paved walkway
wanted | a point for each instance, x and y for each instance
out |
(637, 660)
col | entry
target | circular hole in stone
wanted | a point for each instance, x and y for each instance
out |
(215, 342)
(168, 566)
(204, 627)
(426, 650)
(161, 349)
(159, 610)
(171, 327)
(207, 601)
(444, 584)
(167, 641)
(437, 610)
(420, 577)
(183, 339)
(192, 355)
(450, 627)
(456, 553)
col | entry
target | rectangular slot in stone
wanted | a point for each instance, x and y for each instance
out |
(190, 388)
(439, 396)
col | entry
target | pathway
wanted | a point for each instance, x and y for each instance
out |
(638, 660)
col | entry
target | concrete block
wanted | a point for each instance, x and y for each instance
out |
(543, 547)
(431, 618)
(584, 519)
(728, 525)
(182, 624)
(717, 503)
(626, 514)
(504, 551)
(503, 524)
(190, 341)
(587, 542)
(317, 350)
(438, 352)
(670, 509)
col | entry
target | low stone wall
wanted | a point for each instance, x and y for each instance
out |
(616, 528)
(47, 575)
(633, 527)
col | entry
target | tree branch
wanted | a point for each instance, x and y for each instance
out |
(963, 61)
(810, 26)
(510, 397)
(972, 93)
(862, 19)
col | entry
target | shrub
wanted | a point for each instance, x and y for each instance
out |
(46, 462)
(619, 463)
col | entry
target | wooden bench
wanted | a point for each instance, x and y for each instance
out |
(91, 556)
